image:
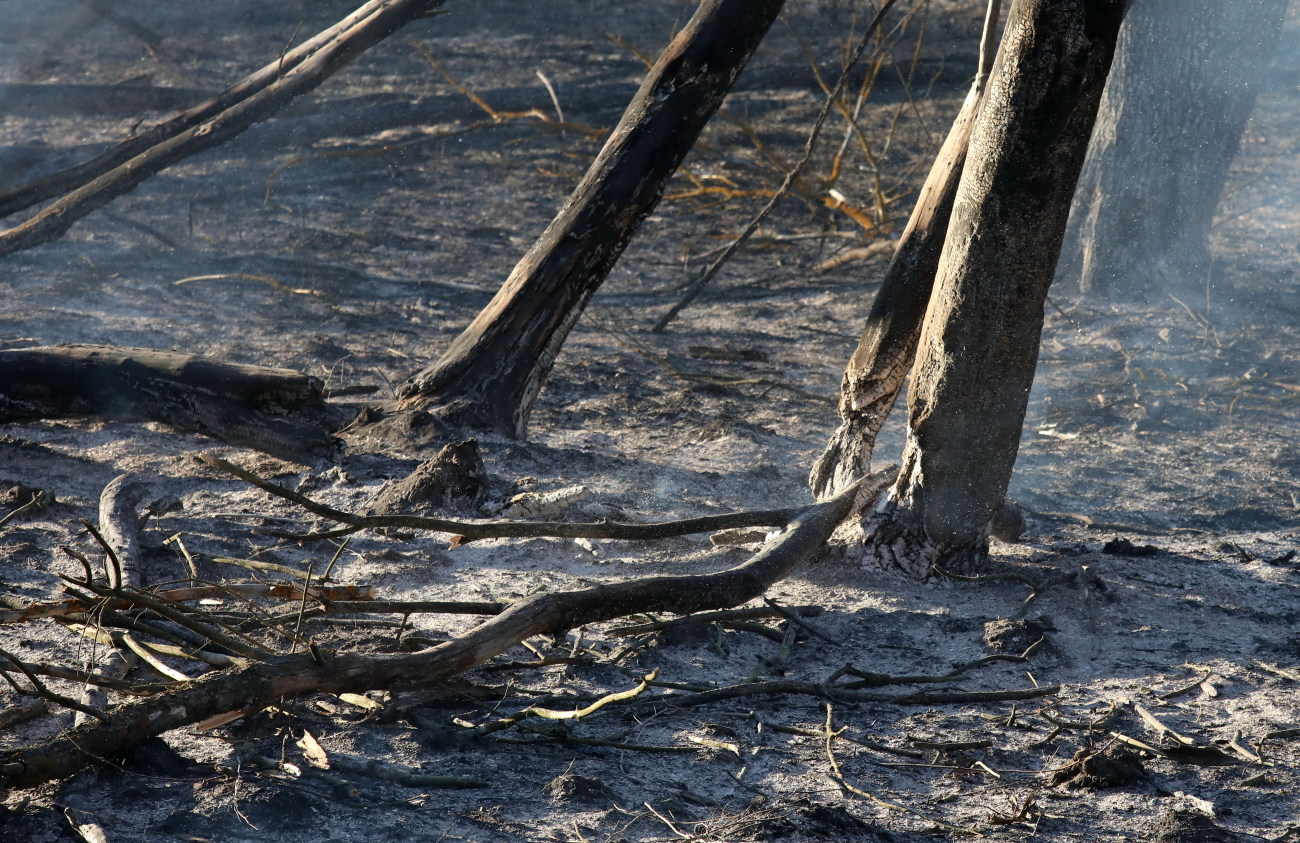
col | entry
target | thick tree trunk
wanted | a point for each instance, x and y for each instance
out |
(275, 411)
(979, 342)
(885, 352)
(492, 372)
(1184, 83)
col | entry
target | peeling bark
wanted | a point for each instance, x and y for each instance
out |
(979, 342)
(492, 373)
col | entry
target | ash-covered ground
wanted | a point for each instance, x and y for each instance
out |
(352, 237)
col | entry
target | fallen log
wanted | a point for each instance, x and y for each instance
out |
(277, 411)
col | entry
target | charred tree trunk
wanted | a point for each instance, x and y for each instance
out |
(1183, 86)
(885, 352)
(493, 371)
(275, 411)
(979, 342)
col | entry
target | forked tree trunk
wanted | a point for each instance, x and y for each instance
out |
(492, 372)
(887, 348)
(979, 342)
(1184, 83)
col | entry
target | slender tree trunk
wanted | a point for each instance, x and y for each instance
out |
(1184, 83)
(979, 342)
(493, 371)
(884, 355)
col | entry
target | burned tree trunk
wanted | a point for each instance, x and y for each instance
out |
(979, 342)
(885, 352)
(1183, 86)
(493, 371)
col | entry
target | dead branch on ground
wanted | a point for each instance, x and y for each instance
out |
(271, 677)
(471, 530)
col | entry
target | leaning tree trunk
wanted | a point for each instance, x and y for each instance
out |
(979, 342)
(1184, 83)
(492, 372)
(887, 347)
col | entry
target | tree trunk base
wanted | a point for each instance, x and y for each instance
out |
(846, 458)
(888, 536)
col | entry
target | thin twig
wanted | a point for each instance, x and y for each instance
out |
(481, 529)
(793, 617)
(41, 690)
(116, 581)
(551, 714)
(233, 641)
(39, 499)
(838, 777)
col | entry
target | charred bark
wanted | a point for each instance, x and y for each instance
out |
(885, 352)
(276, 411)
(492, 373)
(1184, 83)
(979, 342)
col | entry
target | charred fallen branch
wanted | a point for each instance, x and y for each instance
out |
(273, 677)
(470, 530)
(276, 411)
